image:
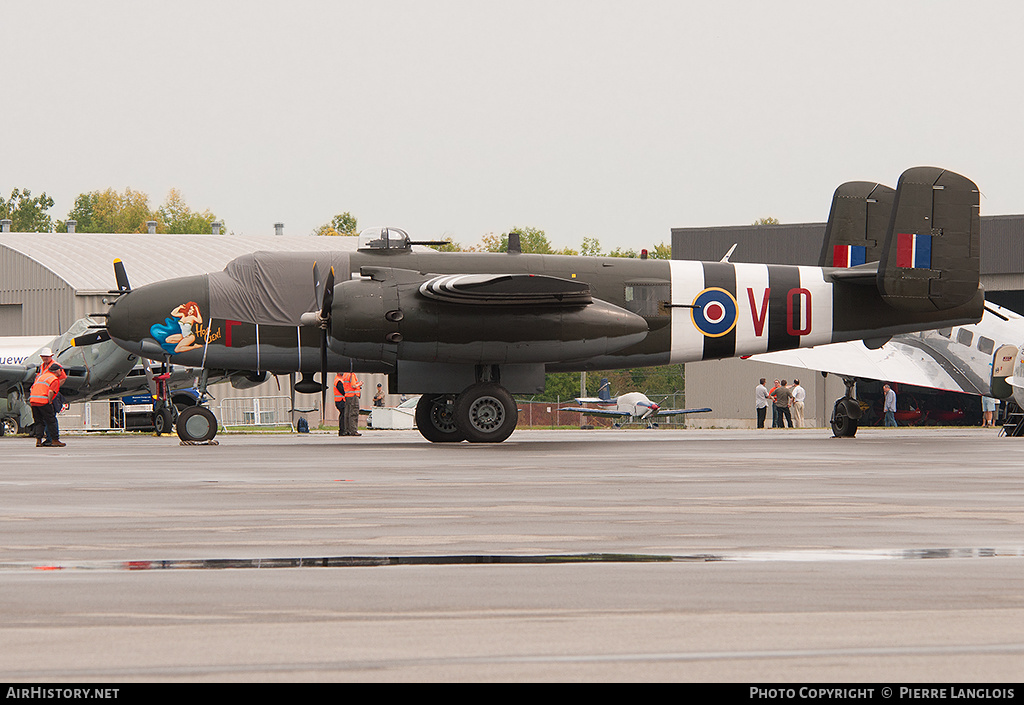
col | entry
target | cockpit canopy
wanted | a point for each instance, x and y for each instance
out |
(384, 239)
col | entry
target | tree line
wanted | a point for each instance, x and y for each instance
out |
(106, 211)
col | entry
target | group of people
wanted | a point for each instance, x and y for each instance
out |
(46, 401)
(347, 392)
(786, 402)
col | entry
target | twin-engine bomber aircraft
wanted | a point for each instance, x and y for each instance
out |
(468, 330)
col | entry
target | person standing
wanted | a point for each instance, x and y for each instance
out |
(798, 403)
(988, 412)
(761, 402)
(42, 395)
(783, 398)
(378, 397)
(776, 422)
(347, 390)
(890, 405)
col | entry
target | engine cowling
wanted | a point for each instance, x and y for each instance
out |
(473, 319)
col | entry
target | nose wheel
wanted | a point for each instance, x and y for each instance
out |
(196, 424)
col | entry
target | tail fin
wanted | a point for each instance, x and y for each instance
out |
(857, 224)
(604, 392)
(931, 257)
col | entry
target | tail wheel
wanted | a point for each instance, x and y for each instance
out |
(197, 424)
(486, 413)
(435, 418)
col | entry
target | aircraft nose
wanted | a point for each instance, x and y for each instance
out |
(119, 318)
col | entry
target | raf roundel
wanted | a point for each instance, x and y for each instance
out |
(714, 312)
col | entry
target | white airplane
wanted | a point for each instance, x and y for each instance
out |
(633, 407)
(978, 359)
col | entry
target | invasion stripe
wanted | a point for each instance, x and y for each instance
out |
(720, 275)
(781, 279)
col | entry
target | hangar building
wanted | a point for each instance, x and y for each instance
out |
(728, 385)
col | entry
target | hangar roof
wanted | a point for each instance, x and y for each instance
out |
(85, 260)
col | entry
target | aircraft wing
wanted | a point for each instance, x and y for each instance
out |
(677, 412)
(606, 413)
(901, 362)
(13, 374)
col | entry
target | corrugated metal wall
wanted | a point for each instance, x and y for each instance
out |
(47, 301)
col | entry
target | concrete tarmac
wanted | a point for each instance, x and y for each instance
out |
(637, 555)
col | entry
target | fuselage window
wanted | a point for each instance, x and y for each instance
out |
(986, 345)
(945, 332)
(964, 337)
(646, 299)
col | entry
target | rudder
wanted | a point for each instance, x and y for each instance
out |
(931, 256)
(857, 224)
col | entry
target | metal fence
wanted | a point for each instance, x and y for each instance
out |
(103, 415)
(549, 414)
(254, 411)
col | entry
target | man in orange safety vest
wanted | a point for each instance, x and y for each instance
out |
(45, 389)
(347, 390)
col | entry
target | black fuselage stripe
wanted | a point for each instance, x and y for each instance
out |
(781, 280)
(720, 275)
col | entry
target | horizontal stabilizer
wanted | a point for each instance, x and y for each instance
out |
(861, 274)
(857, 224)
(507, 290)
(931, 256)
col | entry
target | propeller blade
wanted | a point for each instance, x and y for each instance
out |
(323, 376)
(328, 299)
(122, 277)
(98, 336)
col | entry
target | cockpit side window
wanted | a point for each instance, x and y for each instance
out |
(645, 298)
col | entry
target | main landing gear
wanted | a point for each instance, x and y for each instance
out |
(846, 413)
(483, 413)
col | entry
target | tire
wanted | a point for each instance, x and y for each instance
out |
(435, 419)
(842, 425)
(197, 424)
(162, 421)
(486, 413)
(11, 427)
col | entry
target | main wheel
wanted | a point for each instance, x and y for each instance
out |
(435, 419)
(842, 425)
(197, 424)
(11, 427)
(486, 413)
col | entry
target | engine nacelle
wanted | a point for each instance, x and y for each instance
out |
(247, 380)
(474, 319)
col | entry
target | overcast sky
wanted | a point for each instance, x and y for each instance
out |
(614, 120)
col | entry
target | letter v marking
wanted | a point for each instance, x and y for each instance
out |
(758, 317)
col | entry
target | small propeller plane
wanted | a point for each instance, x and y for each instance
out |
(96, 367)
(633, 407)
(468, 330)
